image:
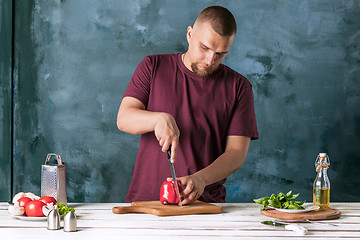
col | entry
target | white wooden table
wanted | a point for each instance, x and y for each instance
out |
(238, 221)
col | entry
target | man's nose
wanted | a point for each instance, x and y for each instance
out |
(210, 58)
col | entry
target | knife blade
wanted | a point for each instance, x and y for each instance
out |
(307, 221)
(174, 176)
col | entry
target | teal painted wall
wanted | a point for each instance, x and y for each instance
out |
(74, 59)
(5, 98)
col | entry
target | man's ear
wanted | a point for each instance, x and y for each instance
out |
(189, 33)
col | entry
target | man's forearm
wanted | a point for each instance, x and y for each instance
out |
(222, 167)
(136, 121)
(227, 163)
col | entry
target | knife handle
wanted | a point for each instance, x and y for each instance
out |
(169, 152)
(297, 228)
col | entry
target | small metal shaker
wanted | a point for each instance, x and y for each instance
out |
(70, 222)
(53, 179)
(53, 220)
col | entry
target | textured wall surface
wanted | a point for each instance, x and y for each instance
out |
(5, 97)
(74, 59)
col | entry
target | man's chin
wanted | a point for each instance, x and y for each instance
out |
(202, 73)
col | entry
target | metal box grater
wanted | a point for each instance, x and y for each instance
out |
(53, 179)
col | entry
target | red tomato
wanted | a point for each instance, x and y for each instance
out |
(48, 199)
(34, 209)
(23, 201)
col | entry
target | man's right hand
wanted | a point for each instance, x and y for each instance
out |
(167, 133)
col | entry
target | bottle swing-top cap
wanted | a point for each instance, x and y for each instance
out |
(322, 161)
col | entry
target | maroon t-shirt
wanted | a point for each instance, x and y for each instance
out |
(206, 110)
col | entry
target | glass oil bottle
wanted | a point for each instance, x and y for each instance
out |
(321, 186)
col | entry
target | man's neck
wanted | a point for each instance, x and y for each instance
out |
(186, 61)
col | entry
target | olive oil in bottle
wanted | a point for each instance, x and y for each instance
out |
(321, 187)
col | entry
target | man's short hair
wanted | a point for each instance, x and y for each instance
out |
(221, 20)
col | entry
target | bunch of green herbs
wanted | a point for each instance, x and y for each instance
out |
(64, 209)
(284, 201)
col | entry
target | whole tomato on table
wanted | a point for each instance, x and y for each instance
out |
(23, 201)
(48, 199)
(34, 208)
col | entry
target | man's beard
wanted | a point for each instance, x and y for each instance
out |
(202, 73)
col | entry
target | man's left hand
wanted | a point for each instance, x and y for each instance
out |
(193, 186)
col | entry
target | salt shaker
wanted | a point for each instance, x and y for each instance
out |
(53, 220)
(70, 222)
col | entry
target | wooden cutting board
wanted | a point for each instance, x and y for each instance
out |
(329, 213)
(156, 208)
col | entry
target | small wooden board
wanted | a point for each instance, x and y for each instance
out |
(157, 208)
(326, 214)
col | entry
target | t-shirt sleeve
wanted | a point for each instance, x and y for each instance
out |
(139, 86)
(243, 121)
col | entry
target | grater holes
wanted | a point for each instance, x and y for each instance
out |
(49, 184)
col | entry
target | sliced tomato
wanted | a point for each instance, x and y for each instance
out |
(23, 201)
(34, 208)
(48, 199)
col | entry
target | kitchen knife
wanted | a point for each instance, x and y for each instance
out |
(294, 227)
(307, 221)
(174, 176)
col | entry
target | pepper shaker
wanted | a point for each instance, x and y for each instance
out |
(70, 222)
(53, 220)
